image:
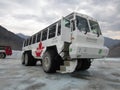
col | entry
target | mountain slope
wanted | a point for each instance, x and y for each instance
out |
(109, 42)
(22, 35)
(114, 47)
(115, 51)
(10, 39)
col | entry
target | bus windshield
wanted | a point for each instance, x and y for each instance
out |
(95, 27)
(82, 24)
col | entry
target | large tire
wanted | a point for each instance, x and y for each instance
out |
(83, 64)
(2, 55)
(23, 59)
(48, 61)
(29, 60)
(79, 64)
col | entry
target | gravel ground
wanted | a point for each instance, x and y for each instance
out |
(104, 74)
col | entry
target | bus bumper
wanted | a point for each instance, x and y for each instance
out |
(88, 52)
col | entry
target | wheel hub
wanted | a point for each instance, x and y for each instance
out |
(46, 63)
(1, 55)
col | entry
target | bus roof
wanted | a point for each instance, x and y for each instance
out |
(68, 17)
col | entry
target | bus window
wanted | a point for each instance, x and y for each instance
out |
(44, 35)
(95, 27)
(27, 41)
(34, 39)
(30, 40)
(24, 43)
(52, 31)
(82, 24)
(38, 37)
(67, 23)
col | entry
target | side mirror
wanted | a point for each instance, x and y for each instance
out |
(66, 22)
(73, 25)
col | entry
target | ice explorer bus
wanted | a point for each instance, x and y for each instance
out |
(66, 46)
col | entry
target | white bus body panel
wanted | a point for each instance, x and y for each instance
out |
(56, 41)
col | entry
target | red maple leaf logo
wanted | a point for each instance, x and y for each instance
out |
(39, 50)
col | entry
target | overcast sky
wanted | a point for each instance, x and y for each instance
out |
(30, 16)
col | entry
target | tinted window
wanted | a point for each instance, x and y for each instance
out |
(24, 43)
(30, 40)
(52, 31)
(27, 41)
(95, 27)
(67, 23)
(34, 39)
(44, 35)
(82, 24)
(38, 37)
(1, 48)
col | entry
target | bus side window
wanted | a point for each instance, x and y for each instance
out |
(30, 40)
(67, 23)
(44, 34)
(24, 43)
(59, 30)
(52, 31)
(27, 42)
(38, 37)
(34, 39)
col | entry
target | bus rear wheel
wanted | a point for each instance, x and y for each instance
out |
(48, 61)
(2, 55)
(83, 64)
(28, 60)
(23, 59)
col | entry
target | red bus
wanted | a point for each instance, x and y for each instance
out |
(5, 51)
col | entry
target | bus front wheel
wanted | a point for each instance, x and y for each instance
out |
(83, 64)
(48, 61)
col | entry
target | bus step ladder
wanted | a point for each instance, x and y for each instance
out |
(68, 67)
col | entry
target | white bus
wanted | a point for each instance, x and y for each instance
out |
(66, 46)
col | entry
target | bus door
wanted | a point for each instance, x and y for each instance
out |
(65, 30)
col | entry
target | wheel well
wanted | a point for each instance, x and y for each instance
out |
(29, 51)
(52, 48)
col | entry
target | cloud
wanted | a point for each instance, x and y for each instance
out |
(113, 34)
(30, 16)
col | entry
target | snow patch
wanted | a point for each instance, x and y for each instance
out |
(15, 54)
